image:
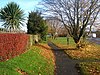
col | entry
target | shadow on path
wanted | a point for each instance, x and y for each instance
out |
(64, 65)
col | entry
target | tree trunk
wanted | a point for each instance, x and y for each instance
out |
(77, 41)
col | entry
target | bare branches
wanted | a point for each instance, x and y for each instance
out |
(74, 14)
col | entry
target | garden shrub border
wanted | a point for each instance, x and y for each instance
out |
(12, 44)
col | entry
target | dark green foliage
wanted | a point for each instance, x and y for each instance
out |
(3, 29)
(36, 24)
(12, 15)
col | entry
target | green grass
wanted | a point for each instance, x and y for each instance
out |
(43, 42)
(63, 41)
(60, 40)
(31, 62)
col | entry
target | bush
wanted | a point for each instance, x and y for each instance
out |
(12, 45)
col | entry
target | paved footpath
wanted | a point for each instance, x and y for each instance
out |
(64, 65)
(95, 40)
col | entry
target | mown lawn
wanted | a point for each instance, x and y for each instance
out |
(31, 62)
(90, 52)
(62, 42)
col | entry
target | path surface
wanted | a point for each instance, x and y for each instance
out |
(95, 40)
(64, 65)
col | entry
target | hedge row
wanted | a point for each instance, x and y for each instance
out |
(12, 45)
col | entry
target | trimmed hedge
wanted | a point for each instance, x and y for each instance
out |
(12, 45)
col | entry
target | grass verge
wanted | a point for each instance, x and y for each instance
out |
(30, 63)
(90, 51)
(90, 68)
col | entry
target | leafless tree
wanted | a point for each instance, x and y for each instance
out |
(53, 27)
(74, 14)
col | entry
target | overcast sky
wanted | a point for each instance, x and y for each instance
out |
(26, 5)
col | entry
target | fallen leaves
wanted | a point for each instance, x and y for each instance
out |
(47, 52)
(89, 52)
(91, 68)
(22, 72)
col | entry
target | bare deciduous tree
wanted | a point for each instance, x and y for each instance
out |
(74, 14)
(53, 27)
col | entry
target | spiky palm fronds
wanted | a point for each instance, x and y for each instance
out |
(12, 15)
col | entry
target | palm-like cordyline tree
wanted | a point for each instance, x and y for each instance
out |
(12, 16)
